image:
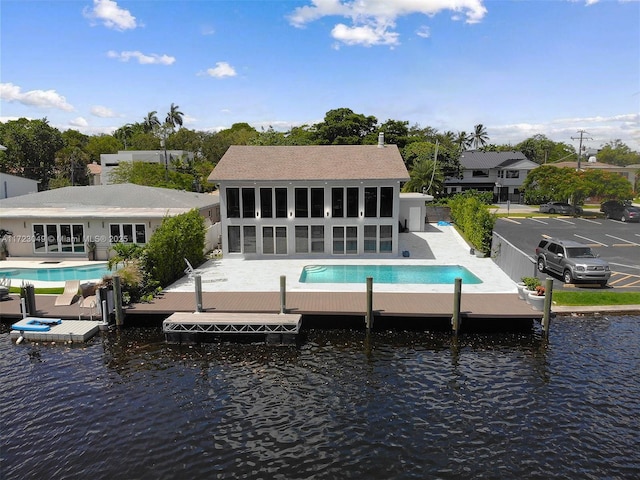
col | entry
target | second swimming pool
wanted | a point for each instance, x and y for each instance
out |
(425, 274)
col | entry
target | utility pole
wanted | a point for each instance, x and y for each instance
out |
(582, 133)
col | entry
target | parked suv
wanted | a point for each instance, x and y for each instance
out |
(574, 261)
(623, 211)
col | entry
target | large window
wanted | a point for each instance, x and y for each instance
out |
(248, 203)
(386, 201)
(266, 203)
(371, 201)
(54, 238)
(386, 238)
(274, 240)
(249, 239)
(127, 233)
(337, 202)
(352, 202)
(302, 202)
(317, 202)
(370, 239)
(233, 233)
(345, 240)
(233, 203)
(306, 243)
(281, 203)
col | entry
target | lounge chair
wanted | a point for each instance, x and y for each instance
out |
(70, 293)
(5, 284)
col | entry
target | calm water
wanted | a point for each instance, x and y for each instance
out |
(56, 274)
(428, 274)
(400, 405)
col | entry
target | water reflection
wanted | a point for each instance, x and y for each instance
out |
(342, 404)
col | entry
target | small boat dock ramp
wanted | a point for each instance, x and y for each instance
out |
(53, 330)
(185, 327)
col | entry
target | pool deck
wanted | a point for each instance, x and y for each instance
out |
(253, 286)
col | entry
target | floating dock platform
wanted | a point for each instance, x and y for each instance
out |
(184, 327)
(54, 330)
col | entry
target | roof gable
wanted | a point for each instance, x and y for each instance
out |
(312, 162)
(475, 159)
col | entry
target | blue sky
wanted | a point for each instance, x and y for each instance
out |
(518, 67)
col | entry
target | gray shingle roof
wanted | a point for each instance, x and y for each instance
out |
(485, 160)
(306, 163)
(123, 195)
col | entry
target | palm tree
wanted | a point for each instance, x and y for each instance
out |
(479, 137)
(174, 117)
(124, 133)
(463, 140)
(426, 177)
(151, 121)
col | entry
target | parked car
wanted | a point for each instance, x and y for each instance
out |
(623, 211)
(574, 261)
(559, 207)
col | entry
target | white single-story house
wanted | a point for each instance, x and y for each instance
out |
(13, 185)
(62, 222)
(335, 200)
(501, 173)
(109, 161)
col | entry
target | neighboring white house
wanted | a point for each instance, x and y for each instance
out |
(60, 222)
(108, 161)
(13, 186)
(340, 200)
(501, 173)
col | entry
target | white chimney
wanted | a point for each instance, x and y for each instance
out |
(381, 140)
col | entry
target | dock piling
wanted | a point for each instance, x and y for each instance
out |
(546, 315)
(117, 294)
(283, 294)
(198, 283)
(457, 297)
(369, 317)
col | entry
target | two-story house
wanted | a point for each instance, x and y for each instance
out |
(337, 200)
(501, 173)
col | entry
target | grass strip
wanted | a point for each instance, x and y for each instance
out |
(41, 291)
(573, 299)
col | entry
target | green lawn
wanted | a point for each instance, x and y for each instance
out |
(595, 298)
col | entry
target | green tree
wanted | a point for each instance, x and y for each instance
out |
(479, 137)
(426, 177)
(541, 150)
(99, 144)
(71, 168)
(448, 158)
(31, 149)
(177, 238)
(174, 117)
(344, 127)
(125, 253)
(462, 140)
(124, 134)
(618, 153)
(152, 175)
(395, 132)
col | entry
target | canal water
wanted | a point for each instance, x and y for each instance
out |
(398, 405)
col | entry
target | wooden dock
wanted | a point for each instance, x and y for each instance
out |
(330, 304)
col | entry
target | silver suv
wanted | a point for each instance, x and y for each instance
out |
(574, 261)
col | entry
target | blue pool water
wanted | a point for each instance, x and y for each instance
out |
(426, 274)
(90, 272)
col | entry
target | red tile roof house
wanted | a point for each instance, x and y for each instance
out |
(330, 200)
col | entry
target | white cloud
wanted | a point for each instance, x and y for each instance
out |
(144, 59)
(111, 15)
(79, 122)
(207, 30)
(34, 98)
(424, 32)
(373, 21)
(221, 70)
(102, 112)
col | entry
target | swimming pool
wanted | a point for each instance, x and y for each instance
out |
(425, 274)
(61, 274)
